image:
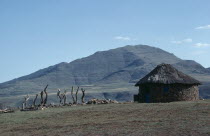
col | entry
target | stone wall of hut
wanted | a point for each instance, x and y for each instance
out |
(184, 93)
(167, 93)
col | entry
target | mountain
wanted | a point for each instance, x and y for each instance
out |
(121, 65)
(93, 68)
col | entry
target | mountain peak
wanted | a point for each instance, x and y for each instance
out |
(124, 64)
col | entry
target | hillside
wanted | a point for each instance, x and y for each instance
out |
(160, 119)
(125, 65)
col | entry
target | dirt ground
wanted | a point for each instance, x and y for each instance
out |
(128, 119)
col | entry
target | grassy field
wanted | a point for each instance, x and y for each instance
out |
(161, 119)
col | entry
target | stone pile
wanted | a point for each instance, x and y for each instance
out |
(30, 109)
(103, 101)
(6, 110)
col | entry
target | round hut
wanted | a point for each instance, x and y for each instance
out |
(167, 84)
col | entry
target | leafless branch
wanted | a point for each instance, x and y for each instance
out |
(34, 102)
(83, 95)
(46, 95)
(76, 94)
(72, 95)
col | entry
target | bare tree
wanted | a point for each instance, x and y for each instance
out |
(83, 95)
(76, 94)
(58, 95)
(62, 96)
(46, 96)
(26, 98)
(34, 101)
(72, 95)
(42, 101)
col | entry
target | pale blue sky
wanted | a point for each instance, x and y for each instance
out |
(35, 34)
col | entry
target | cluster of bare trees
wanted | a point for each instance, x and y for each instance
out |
(62, 96)
(43, 100)
(44, 97)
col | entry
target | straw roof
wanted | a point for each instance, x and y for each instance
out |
(167, 74)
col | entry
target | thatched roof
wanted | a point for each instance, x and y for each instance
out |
(167, 74)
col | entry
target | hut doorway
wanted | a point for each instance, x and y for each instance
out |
(147, 95)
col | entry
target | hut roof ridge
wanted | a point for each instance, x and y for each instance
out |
(167, 74)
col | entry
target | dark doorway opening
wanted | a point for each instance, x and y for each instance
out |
(147, 95)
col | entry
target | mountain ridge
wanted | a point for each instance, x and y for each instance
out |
(124, 64)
